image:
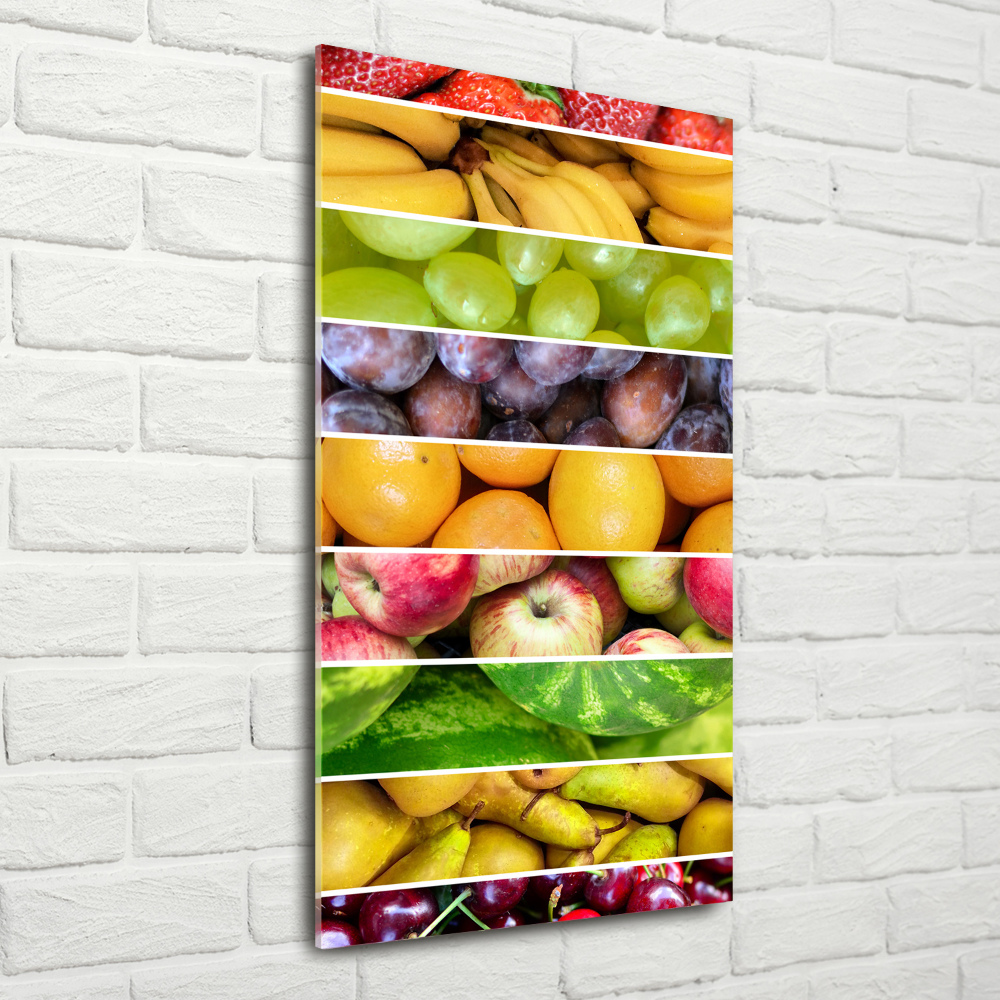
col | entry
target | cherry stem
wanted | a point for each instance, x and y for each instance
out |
(728, 880)
(457, 901)
(554, 898)
(473, 917)
(687, 868)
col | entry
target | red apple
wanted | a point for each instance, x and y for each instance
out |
(594, 574)
(497, 571)
(355, 639)
(647, 642)
(708, 584)
(407, 594)
(553, 614)
(699, 638)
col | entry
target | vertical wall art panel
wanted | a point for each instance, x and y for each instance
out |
(524, 503)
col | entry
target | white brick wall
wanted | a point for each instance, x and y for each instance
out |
(155, 592)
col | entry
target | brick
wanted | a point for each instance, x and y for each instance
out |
(115, 96)
(916, 979)
(819, 765)
(991, 209)
(962, 753)
(259, 27)
(790, 435)
(106, 987)
(128, 506)
(773, 685)
(954, 123)
(777, 929)
(984, 524)
(286, 329)
(965, 908)
(991, 55)
(227, 213)
(280, 706)
(131, 916)
(950, 597)
(286, 123)
(65, 404)
(892, 679)
(136, 712)
(909, 37)
(980, 818)
(6, 84)
(979, 972)
(224, 807)
(950, 443)
(260, 412)
(887, 358)
(62, 819)
(983, 676)
(817, 601)
(912, 197)
(75, 197)
(945, 285)
(307, 976)
(125, 19)
(112, 304)
(850, 107)
(592, 959)
(788, 349)
(79, 611)
(780, 178)
(895, 518)
(645, 14)
(283, 508)
(773, 26)
(232, 608)
(278, 891)
(986, 369)
(797, 267)
(773, 848)
(885, 839)
(795, 504)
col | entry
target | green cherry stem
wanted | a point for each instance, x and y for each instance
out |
(456, 902)
(472, 916)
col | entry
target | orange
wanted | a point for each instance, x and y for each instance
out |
(327, 526)
(606, 501)
(389, 492)
(505, 466)
(497, 519)
(675, 519)
(697, 482)
(711, 530)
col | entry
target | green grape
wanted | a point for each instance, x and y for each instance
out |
(528, 258)
(376, 294)
(715, 280)
(517, 325)
(472, 291)
(405, 239)
(413, 269)
(718, 338)
(634, 333)
(677, 314)
(598, 261)
(340, 248)
(565, 305)
(625, 296)
(486, 244)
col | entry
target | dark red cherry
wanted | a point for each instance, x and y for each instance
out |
(721, 866)
(338, 934)
(496, 923)
(608, 891)
(396, 914)
(490, 899)
(657, 894)
(581, 914)
(343, 906)
(572, 884)
(702, 889)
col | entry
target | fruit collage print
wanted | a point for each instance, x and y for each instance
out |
(524, 585)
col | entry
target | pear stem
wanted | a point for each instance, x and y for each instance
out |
(531, 804)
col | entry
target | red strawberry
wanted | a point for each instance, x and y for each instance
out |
(386, 76)
(498, 95)
(696, 131)
(611, 115)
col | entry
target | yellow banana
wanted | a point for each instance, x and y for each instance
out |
(583, 208)
(721, 247)
(335, 121)
(540, 204)
(516, 144)
(504, 202)
(348, 153)
(431, 133)
(486, 209)
(672, 230)
(584, 149)
(631, 191)
(676, 161)
(434, 192)
(615, 213)
(707, 199)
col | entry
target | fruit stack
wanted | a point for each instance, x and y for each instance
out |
(524, 500)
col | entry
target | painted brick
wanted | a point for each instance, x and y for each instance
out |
(6, 84)
(787, 349)
(104, 987)
(774, 848)
(285, 325)
(984, 526)
(739, 988)
(279, 895)
(286, 122)
(233, 608)
(227, 213)
(69, 197)
(986, 369)
(965, 908)
(284, 508)
(774, 685)
(280, 706)
(261, 412)
(645, 14)
(952, 754)
(962, 599)
(991, 53)
(114, 96)
(990, 221)
(62, 819)
(911, 979)
(127, 506)
(78, 611)
(979, 972)
(131, 916)
(980, 818)
(65, 404)
(795, 504)
(983, 676)
(773, 26)
(308, 976)
(818, 765)
(946, 285)
(953, 123)
(223, 807)
(948, 443)
(123, 19)
(780, 178)
(107, 713)
(101, 304)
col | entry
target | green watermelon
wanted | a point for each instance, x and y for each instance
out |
(612, 697)
(710, 732)
(349, 699)
(453, 717)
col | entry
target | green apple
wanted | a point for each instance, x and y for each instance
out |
(648, 584)
(699, 638)
(678, 616)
